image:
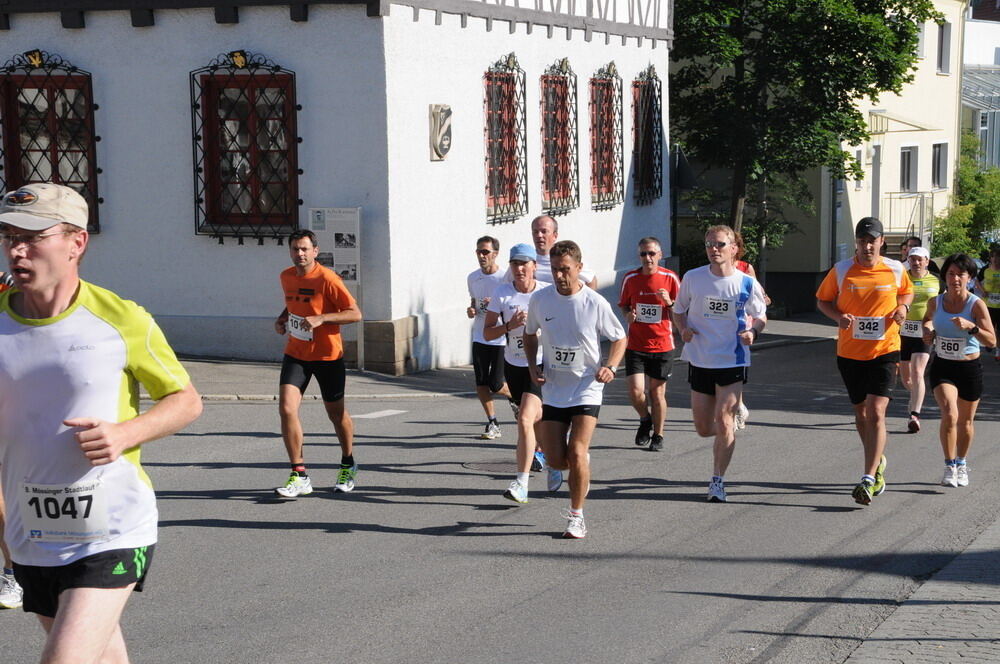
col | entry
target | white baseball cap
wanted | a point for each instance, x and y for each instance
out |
(35, 207)
(919, 251)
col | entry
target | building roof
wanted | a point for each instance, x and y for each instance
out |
(981, 88)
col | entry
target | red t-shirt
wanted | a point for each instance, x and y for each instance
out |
(651, 332)
(320, 291)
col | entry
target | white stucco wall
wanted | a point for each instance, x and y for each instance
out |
(982, 39)
(438, 209)
(216, 299)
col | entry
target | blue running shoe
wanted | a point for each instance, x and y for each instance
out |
(555, 480)
(538, 463)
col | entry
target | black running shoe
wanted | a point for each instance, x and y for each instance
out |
(644, 431)
(656, 443)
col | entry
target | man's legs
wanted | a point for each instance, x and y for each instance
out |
(637, 394)
(527, 423)
(289, 400)
(10, 591)
(727, 397)
(658, 396)
(869, 419)
(86, 627)
(342, 424)
(578, 459)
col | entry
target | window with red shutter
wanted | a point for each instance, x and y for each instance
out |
(606, 181)
(560, 180)
(504, 133)
(647, 138)
(245, 147)
(47, 126)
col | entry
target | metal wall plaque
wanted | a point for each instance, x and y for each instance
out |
(440, 116)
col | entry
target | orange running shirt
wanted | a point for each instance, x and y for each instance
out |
(320, 291)
(868, 292)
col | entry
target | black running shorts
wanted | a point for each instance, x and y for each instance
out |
(705, 380)
(966, 375)
(911, 345)
(654, 365)
(108, 569)
(566, 415)
(330, 374)
(487, 362)
(863, 377)
(519, 382)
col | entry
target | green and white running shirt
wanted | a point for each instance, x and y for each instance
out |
(85, 362)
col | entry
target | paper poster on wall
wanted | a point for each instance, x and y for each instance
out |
(338, 233)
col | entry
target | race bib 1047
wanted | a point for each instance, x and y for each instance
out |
(64, 513)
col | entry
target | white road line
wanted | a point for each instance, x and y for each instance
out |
(377, 414)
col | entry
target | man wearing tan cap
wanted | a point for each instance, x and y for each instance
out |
(81, 514)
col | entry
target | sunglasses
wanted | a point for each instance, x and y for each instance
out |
(484, 252)
(717, 245)
(644, 254)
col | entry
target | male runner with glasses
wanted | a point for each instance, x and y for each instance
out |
(647, 295)
(81, 513)
(487, 354)
(713, 312)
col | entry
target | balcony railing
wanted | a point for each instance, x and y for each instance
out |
(909, 212)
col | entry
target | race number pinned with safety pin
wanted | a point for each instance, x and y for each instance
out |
(296, 330)
(871, 328)
(65, 512)
(912, 328)
(719, 308)
(950, 348)
(567, 358)
(648, 313)
(994, 299)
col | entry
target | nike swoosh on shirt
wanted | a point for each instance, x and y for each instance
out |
(548, 319)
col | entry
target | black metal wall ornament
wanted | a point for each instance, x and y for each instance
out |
(560, 150)
(606, 178)
(647, 133)
(506, 141)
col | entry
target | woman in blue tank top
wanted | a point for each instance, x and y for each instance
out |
(957, 323)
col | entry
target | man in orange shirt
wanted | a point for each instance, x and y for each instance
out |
(868, 296)
(316, 304)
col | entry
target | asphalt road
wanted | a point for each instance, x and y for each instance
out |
(425, 562)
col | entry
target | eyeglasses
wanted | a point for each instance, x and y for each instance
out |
(484, 252)
(717, 245)
(644, 254)
(13, 240)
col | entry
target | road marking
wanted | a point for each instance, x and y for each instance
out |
(820, 398)
(377, 414)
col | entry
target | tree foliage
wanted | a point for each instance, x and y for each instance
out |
(978, 189)
(768, 87)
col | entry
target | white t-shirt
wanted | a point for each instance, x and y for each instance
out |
(506, 301)
(481, 287)
(543, 271)
(86, 362)
(572, 327)
(718, 309)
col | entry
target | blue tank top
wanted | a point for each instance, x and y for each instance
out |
(944, 327)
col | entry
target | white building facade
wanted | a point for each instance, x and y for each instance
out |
(220, 129)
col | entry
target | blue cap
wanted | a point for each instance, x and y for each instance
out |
(522, 252)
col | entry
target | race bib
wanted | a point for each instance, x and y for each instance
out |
(64, 513)
(648, 313)
(516, 346)
(483, 303)
(567, 358)
(294, 326)
(950, 348)
(720, 308)
(912, 328)
(871, 328)
(994, 299)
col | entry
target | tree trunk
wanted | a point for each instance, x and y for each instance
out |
(739, 196)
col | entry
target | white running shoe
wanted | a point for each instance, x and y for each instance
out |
(576, 528)
(555, 480)
(516, 492)
(491, 432)
(345, 479)
(716, 491)
(741, 415)
(950, 476)
(295, 486)
(962, 474)
(11, 593)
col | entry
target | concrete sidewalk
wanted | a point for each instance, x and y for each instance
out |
(954, 616)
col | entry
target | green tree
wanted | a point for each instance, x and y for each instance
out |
(768, 87)
(952, 232)
(978, 188)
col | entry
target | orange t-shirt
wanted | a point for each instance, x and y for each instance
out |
(868, 293)
(320, 291)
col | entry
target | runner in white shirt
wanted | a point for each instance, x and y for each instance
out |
(487, 355)
(573, 319)
(505, 316)
(544, 233)
(713, 312)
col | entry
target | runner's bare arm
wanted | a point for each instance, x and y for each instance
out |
(680, 322)
(103, 442)
(281, 321)
(903, 303)
(986, 334)
(531, 353)
(491, 329)
(615, 354)
(830, 310)
(471, 311)
(928, 323)
(350, 315)
(592, 284)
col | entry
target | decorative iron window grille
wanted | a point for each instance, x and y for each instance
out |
(506, 158)
(245, 148)
(47, 126)
(606, 180)
(560, 180)
(647, 138)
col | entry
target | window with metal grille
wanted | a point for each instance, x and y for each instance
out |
(647, 138)
(560, 180)
(245, 148)
(47, 126)
(606, 183)
(506, 160)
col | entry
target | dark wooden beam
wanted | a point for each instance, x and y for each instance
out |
(72, 19)
(299, 12)
(142, 18)
(4, 21)
(225, 14)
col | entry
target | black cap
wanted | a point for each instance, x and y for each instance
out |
(868, 226)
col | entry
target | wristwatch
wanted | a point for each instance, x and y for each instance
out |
(611, 369)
